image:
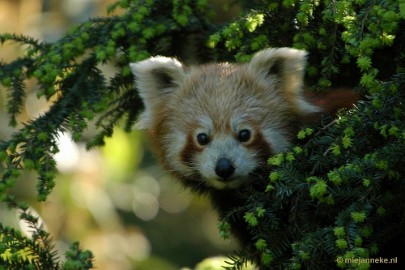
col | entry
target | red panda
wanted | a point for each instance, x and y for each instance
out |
(214, 126)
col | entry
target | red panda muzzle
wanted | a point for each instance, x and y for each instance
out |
(224, 169)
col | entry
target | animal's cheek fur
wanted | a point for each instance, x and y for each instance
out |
(189, 150)
(167, 143)
(260, 146)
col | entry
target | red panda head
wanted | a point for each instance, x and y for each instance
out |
(215, 125)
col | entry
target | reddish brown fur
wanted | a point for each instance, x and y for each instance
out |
(260, 146)
(190, 149)
(332, 100)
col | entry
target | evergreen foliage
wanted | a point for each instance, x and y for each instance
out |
(37, 251)
(337, 194)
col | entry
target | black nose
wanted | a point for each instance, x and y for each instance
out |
(224, 168)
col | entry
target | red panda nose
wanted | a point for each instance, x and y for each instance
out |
(224, 168)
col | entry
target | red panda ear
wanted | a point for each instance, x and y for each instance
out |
(288, 66)
(155, 77)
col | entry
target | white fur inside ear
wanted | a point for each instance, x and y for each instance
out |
(155, 62)
(289, 60)
(155, 77)
(155, 74)
(288, 65)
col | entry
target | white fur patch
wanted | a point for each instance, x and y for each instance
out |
(277, 139)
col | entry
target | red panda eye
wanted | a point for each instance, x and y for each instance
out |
(244, 135)
(202, 138)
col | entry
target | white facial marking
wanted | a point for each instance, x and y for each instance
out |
(278, 139)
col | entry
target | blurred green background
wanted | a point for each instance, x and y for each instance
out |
(116, 201)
